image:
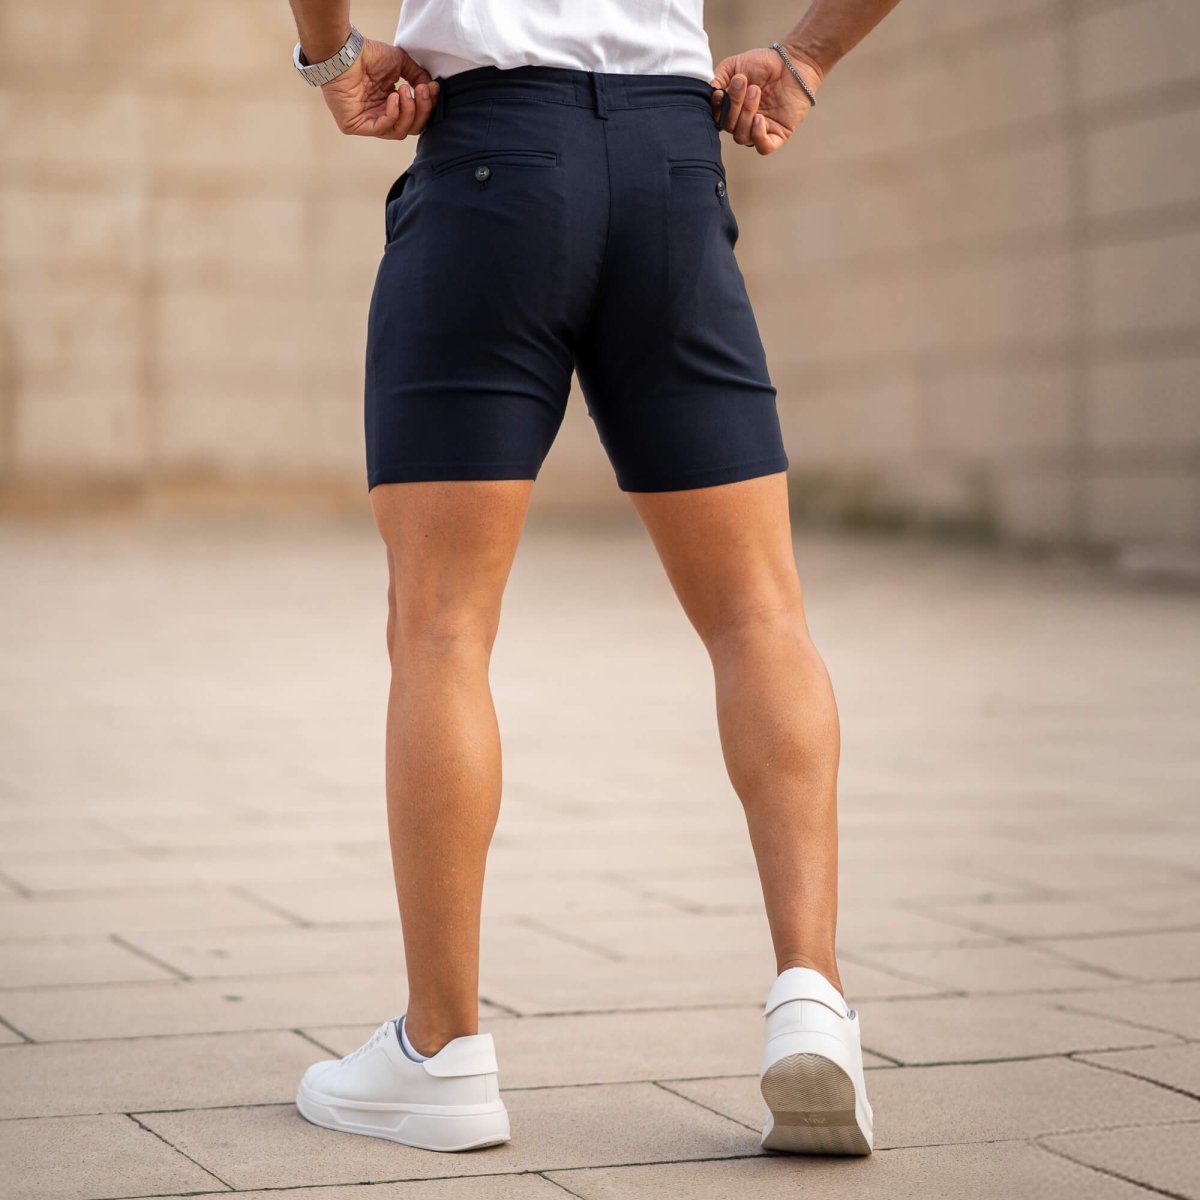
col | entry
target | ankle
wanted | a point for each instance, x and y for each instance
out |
(429, 1039)
(826, 967)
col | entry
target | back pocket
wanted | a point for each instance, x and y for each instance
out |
(700, 236)
(487, 158)
(701, 168)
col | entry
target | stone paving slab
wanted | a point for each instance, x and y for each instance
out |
(655, 935)
(1172, 1065)
(92, 1158)
(58, 961)
(178, 908)
(863, 926)
(357, 949)
(617, 854)
(51, 801)
(274, 1146)
(145, 1073)
(1149, 956)
(1171, 1008)
(1057, 917)
(235, 831)
(1166, 1157)
(595, 983)
(986, 1102)
(999, 1171)
(234, 953)
(123, 869)
(201, 1006)
(859, 923)
(1065, 871)
(705, 891)
(358, 901)
(485, 1187)
(52, 837)
(979, 1028)
(985, 967)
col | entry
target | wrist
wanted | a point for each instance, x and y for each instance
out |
(325, 70)
(808, 60)
(316, 47)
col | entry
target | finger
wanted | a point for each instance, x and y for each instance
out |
(407, 114)
(737, 97)
(764, 141)
(378, 122)
(393, 123)
(426, 98)
(718, 86)
(741, 132)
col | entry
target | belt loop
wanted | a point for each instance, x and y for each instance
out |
(439, 105)
(598, 93)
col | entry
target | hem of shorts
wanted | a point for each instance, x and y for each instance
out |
(450, 472)
(709, 478)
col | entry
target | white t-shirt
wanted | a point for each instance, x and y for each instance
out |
(626, 37)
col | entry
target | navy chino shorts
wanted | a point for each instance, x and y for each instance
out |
(557, 220)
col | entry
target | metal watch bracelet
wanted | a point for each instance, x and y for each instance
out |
(329, 68)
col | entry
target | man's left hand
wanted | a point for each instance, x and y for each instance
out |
(766, 104)
(365, 101)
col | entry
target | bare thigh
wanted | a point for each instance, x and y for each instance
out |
(727, 550)
(450, 547)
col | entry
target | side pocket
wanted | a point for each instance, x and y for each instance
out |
(394, 193)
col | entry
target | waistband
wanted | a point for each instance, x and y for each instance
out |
(598, 90)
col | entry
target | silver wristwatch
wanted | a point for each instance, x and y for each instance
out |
(330, 68)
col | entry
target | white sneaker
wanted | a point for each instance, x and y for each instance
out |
(812, 1069)
(450, 1101)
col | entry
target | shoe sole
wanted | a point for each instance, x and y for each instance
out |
(485, 1125)
(813, 1108)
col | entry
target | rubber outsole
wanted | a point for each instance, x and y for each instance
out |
(813, 1108)
(444, 1132)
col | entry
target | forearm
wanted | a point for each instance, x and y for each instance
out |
(323, 27)
(832, 28)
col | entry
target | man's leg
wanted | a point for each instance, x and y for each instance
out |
(450, 547)
(728, 553)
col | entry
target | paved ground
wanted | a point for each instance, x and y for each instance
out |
(196, 904)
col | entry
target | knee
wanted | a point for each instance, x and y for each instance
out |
(432, 626)
(751, 627)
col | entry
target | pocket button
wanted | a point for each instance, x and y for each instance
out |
(482, 173)
(720, 187)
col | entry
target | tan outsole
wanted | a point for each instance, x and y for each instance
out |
(812, 1107)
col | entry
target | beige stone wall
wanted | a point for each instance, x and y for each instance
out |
(976, 268)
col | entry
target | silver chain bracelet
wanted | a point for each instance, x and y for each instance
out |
(799, 77)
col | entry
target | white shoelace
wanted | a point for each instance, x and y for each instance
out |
(369, 1044)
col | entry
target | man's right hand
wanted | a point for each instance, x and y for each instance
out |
(366, 101)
